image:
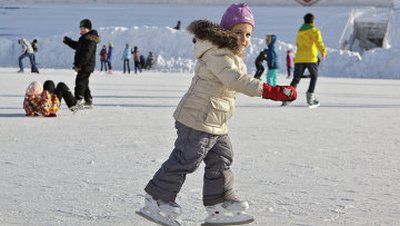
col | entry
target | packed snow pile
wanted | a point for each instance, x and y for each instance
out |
(174, 53)
(366, 29)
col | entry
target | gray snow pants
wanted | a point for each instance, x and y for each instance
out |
(191, 148)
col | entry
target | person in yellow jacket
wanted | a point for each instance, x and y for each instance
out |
(309, 42)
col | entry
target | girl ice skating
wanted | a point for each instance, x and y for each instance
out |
(201, 121)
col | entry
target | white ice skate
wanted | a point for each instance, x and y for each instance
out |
(312, 101)
(78, 106)
(88, 105)
(160, 212)
(74, 109)
(230, 212)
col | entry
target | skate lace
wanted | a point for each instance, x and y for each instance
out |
(232, 201)
(169, 203)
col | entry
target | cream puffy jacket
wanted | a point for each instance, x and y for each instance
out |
(219, 74)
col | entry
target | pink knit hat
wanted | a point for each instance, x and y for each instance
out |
(235, 14)
(35, 88)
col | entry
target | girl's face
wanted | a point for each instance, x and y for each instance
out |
(244, 31)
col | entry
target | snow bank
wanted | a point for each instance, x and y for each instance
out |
(174, 53)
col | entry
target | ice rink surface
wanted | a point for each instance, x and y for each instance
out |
(337, 164)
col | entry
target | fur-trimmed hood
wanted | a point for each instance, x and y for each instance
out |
(92, 36)
(204, 30)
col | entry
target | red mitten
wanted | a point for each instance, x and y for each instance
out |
(279, 93)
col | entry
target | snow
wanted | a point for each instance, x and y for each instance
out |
(395, 20)
(174, 53)
(174, 49)
(334, 165)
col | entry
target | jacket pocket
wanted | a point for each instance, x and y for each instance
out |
(219, 112)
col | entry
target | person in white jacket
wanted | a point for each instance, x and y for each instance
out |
(202, 115)
(27, 51)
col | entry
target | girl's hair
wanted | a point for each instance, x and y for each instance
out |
(35, 88)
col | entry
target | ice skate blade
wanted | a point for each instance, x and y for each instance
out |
(313, 106)
(143, 213)
(86, 107)
(233, 223)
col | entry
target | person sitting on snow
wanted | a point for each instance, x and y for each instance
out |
(178, 25)
(45, 101)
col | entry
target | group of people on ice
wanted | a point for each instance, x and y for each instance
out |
(45, 100)
(201, 116)
(140, 62)
(29, 49)
(309, 42)
(106, 58)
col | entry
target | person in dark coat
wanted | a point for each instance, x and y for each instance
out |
(35, 50)
(136, 58)
(109, 57)
(259, 64)
(84, 61)
(149, 61)
(103, 58)
(142, 61)
(178, 25)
